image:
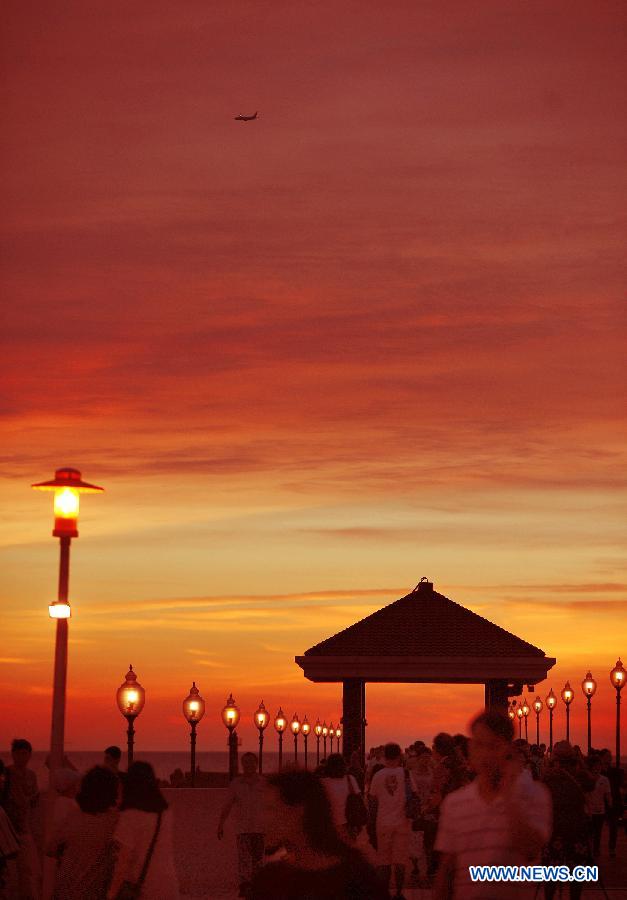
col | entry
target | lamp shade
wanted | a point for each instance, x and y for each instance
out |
(193, 705)
(230, 713)
(67, 484)
(280, 722)
(551, 699)
(130, 696)
(262, 717)
(589, 685)
(617, 676)
(568, 695)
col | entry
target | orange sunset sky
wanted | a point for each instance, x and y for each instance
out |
(374, 335)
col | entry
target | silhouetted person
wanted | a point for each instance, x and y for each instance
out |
(316, 863)
(569, 844)
(21, 805)
(82, 840)
(112, 757)
(144, 819)
(246, 798)
(9, 843)
(615, 776)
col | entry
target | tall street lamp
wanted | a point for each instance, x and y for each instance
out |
(305, 728)
(525, 712)
(589, 687)
(318, 733)
(130, 697)
(325, 732)
(537, 705)
(295, 726)
(551, 702)
(262, 717)
(230, 717)
(519, 713)
(511, 710)
(338, 735)
(67, 485)
(568, 695)
(617, 679)
(280, 724)
(193, 710)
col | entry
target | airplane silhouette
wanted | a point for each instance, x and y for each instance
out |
(245, 118)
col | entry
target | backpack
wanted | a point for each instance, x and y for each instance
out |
(355, 808)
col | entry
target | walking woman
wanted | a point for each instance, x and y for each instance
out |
(82, 839)
(313, 862)
(144, 840)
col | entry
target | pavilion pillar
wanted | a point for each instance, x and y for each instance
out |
(497, 695)
(353, 716)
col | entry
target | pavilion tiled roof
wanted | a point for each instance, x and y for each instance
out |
(424, 623)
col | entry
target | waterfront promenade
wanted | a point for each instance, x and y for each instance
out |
(207, 867)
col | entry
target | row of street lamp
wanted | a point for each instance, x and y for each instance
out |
(618, 675)
(131, 696)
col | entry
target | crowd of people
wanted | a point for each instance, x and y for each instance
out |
(417, 817)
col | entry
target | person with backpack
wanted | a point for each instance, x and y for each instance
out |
(348, 809)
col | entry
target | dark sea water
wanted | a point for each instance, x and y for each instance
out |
(163, 761)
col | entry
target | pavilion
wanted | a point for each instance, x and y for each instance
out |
(423, 637)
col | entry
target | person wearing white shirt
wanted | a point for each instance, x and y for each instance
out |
(389, 794)
(503, 817)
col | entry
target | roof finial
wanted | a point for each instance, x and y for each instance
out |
(423, 585)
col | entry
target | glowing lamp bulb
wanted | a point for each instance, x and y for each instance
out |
(567, 694)
(59, 610)
(66, 503)
(280, 722)
(131, 696)
(589, 685)
(193, 705)
(617, 676)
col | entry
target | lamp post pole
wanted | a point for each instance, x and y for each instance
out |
(537, 705)
(67, 486)
(193, 710)
(551, 700)
(318, 732)
(305, 729)
(130, 740)
(567, 696)
(57, 735)
(192, 739)
(525, 712)
(589, 687)
(295, 726)
(280, 724)
(261, 723)
(617, 679)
